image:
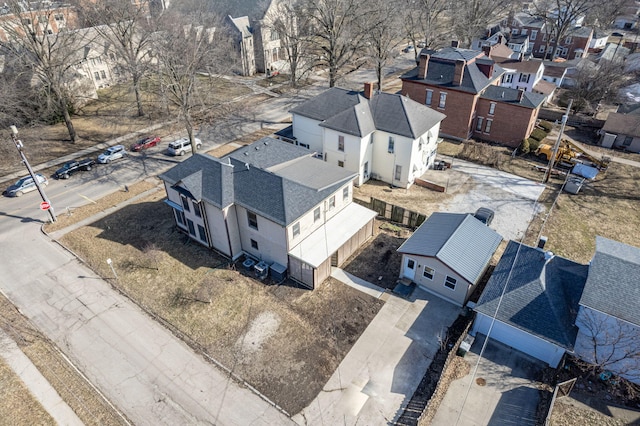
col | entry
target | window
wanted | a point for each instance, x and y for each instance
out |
(627, 141)
(392, 142)
(340, 163)
(366, 169)
(411, 264)
(345, 192)
(253, 220)
(492, 108)
(428, 272)
(185, 203)
(201, 233)
(274, 35)
(487, 128)
(341, 143)
(103, 74)
(96, 75)
(196, 209)
(296, 229)
(507, 78)
(515, 31)
(316, 214)
(524, 31)
(180, 217)
(541, 49)
(398, 173)
(534, 34)
(59, 17)
(524, 78)
(332, 202)
(254, 244)
(443, 100)
(429, 97)
(568, 40)
(450, 282)
(479, 124)
(192, 228)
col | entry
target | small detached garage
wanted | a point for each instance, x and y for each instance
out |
(540, 293)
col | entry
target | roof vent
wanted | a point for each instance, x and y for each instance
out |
(265, 143)
(548, 255)
(246, 153)
(257, 148)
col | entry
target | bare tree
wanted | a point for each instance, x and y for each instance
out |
(188, 51)
(51, 54)
(472, 17)
(596, 83)
(338, 26)
(560, 17)
(383, 35)
(604, 13)
(128, 28)
(610, 344)
(426, 21)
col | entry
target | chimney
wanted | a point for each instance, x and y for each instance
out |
(458, 73)
(423, 67)
(520, 94)
(500, 38)
(487, 50)
(454, 43)
(541, 242)
(368, 90)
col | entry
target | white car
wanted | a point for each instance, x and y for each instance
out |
(182, 145)
(25, 184)
(113, 153)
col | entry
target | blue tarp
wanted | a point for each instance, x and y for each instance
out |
(585, 171)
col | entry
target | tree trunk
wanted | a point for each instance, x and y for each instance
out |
(379, 75)
(68, 122)
(136, 89)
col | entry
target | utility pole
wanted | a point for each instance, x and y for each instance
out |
(19, 146)
(554, 154)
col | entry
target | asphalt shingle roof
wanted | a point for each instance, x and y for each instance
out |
(613, 285)
(541, 296)
(281, 191)
(328, 104)
(459, 240)
(510, 96)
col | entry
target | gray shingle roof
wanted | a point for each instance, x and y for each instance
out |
(613, 285)
(441, 69)
(348, 112)
(281, 191)
(541, 296)
(510, 96)
(459, 240)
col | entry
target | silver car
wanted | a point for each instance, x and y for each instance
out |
(113, 153)
(25, 184)
(182, 146)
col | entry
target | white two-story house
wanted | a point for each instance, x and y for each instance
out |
(383, 136)
(272, 202)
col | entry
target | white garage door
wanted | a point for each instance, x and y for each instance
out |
(520, 340)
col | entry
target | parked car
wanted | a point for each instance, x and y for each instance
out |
(422, 44)
(113, 153)
(617, 34)
(484, 215)
(409, 48)
(25, 184)
(70, 167)
(145, 143)
(182, 145)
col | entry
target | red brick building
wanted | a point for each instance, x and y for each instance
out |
(464, 85)
(49, 20)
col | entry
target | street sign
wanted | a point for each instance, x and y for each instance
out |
(45, 205)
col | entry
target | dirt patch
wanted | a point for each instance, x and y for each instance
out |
(292, 339)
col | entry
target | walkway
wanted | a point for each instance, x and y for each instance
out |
(357, 283)
(36, 383)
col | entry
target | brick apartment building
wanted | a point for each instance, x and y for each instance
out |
(40, 21)
(465, 85)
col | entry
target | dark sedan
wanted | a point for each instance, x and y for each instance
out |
(145, 143)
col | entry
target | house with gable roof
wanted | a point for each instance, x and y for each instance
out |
(448, 255)
(608, 318)
(531, 302)
(272, 202)
(384, 136)
(465, 85)
(621, 131)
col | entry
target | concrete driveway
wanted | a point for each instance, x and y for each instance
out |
(508, 394)
(511, 197)
(384, 367)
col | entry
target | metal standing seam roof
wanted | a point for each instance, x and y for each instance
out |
(459, 240)
(613, 284)
(541, 296)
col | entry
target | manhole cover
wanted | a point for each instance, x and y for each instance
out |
(480, 381)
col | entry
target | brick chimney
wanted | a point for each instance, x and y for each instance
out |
(458, 73)
(454, 43)
(424, 66)
(368, 90)
(487, 50)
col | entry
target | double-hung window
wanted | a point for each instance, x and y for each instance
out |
(429, 97)
(443, 100)
(340, 143)
(391, 146)
(252, 219)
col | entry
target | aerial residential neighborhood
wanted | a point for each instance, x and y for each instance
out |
(319, 212)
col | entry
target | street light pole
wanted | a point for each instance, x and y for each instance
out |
(556, 146)
(19, 146)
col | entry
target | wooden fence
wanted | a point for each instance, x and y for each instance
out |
(394, 213)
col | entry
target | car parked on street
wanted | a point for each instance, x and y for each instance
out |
(484, 215)
(25, 184)
(113, 153)
(182, 146)
(145, 143)
(70, 167)
(409, 48)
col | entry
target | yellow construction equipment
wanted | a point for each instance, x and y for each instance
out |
(570, 154)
